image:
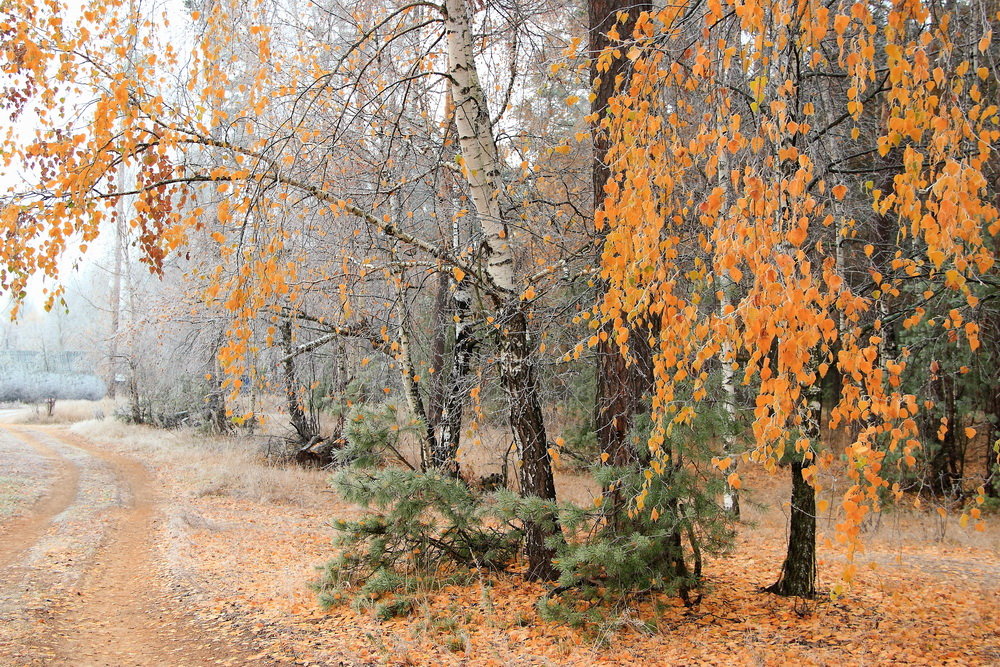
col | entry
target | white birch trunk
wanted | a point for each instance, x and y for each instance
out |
(730, 496)
(481, 166)
(480, 162)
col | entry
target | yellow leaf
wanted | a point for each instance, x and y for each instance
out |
(572, 99)
(733, 480)
(458, 273)
(970, 432)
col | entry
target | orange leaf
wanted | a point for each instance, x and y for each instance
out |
(797, 236)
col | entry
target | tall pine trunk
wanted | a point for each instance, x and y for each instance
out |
(620, 384)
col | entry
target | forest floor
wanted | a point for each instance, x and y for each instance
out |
(123, 545)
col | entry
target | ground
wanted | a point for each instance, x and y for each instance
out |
(128, 546)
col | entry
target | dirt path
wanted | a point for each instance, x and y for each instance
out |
(79, 578)
(22, 532)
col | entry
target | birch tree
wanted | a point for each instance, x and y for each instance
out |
(778, 225)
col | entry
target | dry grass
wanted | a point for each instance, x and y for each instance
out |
(211, 466)
(65, 412)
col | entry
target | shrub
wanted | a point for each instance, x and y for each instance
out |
(421, 528)
(672, 521)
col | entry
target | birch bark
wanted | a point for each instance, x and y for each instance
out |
(518, 376)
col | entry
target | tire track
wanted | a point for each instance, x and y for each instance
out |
(22, 532)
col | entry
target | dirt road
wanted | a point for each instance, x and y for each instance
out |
(80, 580)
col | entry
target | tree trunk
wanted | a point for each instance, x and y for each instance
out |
(731, 495)
(438, 381)
(215, 401)
(296, 415)
(481, 167)
(458, 304)
(116, 305)
(798, 574)
(992, 441)
(135, 404)
(620, 386)
(944, 472)
(726, 288)
(428, 443)
(535, 473)
(446, 455)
